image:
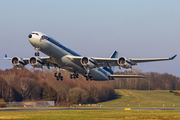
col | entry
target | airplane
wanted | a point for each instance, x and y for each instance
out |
(60, 56)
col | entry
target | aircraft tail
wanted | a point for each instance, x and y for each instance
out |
(111, 69)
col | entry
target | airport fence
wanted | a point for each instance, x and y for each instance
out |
(44, 104)
(29, 104)
(52, 104)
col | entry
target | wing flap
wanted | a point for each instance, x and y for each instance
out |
(47, 59)
(44, 59)
(100, 62)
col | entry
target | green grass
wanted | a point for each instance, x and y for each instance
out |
(142, 98)
(132, 97)
(92, 115)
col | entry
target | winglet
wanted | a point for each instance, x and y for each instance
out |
(5, 56)
(173, 57)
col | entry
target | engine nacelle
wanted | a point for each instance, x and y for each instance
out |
(124, 62)
(87, 62)
(35, 62)
(17, 62)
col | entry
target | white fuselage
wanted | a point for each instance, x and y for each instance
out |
(59, 53)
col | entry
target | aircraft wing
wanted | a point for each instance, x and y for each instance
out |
(135, 61)
(25, 60)
(127, 76)
(46, 61)
(107, 62)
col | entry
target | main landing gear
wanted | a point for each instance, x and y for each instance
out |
(74, 76)
(88, 77)
(58, 74)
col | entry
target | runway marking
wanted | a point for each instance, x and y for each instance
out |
(127, 109)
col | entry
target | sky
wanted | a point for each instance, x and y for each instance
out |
(95, 28)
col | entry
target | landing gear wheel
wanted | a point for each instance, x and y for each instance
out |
(58, 76)
(77, 75)
(55, 74)
(88, 77)
(74, 76)
(71, 76)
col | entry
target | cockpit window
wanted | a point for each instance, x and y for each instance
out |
(35, 33)
(44, 37)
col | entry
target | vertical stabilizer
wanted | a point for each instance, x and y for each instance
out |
(114, 55)
(110, 68)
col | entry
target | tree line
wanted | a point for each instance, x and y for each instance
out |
(152, 81)
(27, 85)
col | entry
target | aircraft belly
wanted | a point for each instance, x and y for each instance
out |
(70, 65)
(98, 75)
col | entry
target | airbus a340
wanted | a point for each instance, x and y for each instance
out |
(60, 56)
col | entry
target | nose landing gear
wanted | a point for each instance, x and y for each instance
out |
(37, 51)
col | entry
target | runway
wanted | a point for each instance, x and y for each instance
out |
(46, 109)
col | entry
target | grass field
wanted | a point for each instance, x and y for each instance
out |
(127, 98)
(142, 98)
(92, 115)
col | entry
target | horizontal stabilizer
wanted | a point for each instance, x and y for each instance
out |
(127, 76)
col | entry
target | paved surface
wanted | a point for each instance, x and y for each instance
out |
(43, 109)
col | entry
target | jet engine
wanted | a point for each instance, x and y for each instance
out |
(124, 62)
(17, 62)
(35, 62)
(87, 62)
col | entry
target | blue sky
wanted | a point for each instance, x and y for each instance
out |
(95, 28)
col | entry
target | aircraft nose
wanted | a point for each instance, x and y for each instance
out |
(29, 36)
